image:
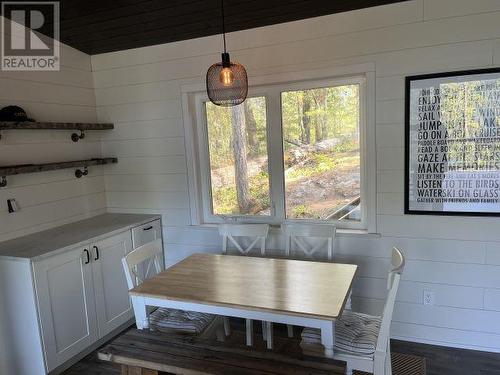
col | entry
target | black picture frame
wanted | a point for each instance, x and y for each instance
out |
(408, 81)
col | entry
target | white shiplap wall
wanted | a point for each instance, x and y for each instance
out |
(457, 258)
(52, 198)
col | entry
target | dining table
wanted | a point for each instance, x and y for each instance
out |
(294, 292)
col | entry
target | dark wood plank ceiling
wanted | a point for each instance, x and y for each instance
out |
(97, 26)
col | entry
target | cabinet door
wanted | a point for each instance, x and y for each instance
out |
(66, 304)
(112, 300)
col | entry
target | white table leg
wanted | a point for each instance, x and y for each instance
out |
(140, 312)
(220, 330)
(328, 338)
(249, 327)
(289, 328)
(269, 335)
(227, 326)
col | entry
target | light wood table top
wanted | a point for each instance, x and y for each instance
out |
(293, 287)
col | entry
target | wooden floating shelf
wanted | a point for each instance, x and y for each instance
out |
(33, 125)
(30, 125)
(35, 168)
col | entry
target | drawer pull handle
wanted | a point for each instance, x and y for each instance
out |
(148, 228)
(88, 256)
(96, 253)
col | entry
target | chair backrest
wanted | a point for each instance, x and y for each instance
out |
(297, 236)
(150, 253)
(257, 233)
(398, 265)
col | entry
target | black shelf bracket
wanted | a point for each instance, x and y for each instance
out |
(76, 137)
(79, 173)
(82, 166)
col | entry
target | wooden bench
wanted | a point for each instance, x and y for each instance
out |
(147, 353)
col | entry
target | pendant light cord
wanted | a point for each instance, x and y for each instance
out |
(223, 25)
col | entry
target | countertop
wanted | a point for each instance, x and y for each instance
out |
(38, 245)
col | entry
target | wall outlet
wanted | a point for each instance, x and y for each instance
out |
(429, 297)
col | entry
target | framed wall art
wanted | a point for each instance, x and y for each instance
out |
(452, 143)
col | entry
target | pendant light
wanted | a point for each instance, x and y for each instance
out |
(227, 81)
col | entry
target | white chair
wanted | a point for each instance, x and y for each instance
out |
(310, 239)
(255, 235)
(162, 319)
(299, 237)
(363, 341)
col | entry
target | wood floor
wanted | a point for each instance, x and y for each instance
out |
(450, 361)
(440, 360)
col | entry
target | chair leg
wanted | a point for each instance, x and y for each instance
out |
(289, 328)
(348, 304)
(249, 328)
(379, 364)
(214, 329)
(264, 331)
(221, 337)
(388, 359)
(269, 334)
(227, 326)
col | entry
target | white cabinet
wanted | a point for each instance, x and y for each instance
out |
(63, 291)
(66, 304)
(110, 286)
(82, 296)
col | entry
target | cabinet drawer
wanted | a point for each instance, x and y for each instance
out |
(146, 233)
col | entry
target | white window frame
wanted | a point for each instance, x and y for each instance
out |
(194, 97)
(204, 165)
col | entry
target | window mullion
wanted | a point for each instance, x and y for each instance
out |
(275, 151)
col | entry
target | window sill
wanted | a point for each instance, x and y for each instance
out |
(275, 229)
(357, 233)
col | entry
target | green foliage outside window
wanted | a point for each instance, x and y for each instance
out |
(321, 153)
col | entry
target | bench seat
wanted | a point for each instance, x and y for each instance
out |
(143, 352)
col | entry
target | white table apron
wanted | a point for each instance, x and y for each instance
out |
(326, 326)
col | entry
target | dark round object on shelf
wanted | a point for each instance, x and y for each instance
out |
(13, 113)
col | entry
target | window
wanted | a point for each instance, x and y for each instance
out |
(321, 153)
(289, 153)
(237, 148)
